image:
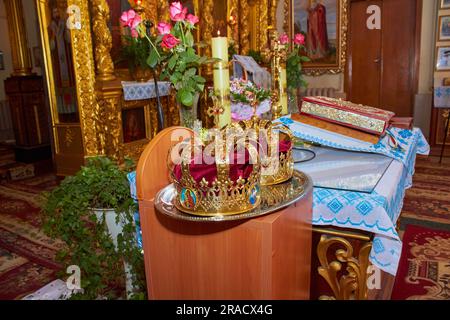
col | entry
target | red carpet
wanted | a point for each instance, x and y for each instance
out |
(27, 256)
(424, 271)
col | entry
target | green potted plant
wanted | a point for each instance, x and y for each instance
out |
(92, 212)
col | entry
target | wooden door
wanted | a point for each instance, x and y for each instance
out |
(364, 57)
(382, 63)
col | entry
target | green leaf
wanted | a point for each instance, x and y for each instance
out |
(152, 59)
(199, 79)
(191, 72)
(172, 61)
(189, 39)
(185, 97)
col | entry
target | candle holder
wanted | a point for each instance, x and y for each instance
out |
(278, 59)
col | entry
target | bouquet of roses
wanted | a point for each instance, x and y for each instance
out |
(172, 49)
(246, 92)
(294, 61)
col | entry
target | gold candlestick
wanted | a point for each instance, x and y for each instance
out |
(278, 59)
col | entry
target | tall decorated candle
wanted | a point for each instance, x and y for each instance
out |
(283, 83)
(222, 77)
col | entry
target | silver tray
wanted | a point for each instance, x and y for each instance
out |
(273, 198)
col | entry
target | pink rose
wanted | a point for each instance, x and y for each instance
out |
(177, 12)
(192, 19)
(284, 39)
(134, 33)
(164, 28)
(130, 19)
(169, 41)
(299, 39)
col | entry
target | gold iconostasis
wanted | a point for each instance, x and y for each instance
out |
(82, 44)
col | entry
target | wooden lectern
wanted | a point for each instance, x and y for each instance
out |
(268, 257)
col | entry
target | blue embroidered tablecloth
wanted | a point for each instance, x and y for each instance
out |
(376, 212)
(133, 90)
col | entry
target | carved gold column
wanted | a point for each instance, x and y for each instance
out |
(84, 67)
(163, 10)
(109, 96)
(18, 38)
(207, 24)
(244, 27)
(233, 22)
(287, 15)
(263, 25)
(349, 283)
(103, 40)
(273, 13)
(151, 11)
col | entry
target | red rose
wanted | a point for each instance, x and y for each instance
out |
(169, 41)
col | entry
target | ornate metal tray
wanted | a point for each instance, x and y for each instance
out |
(273, 198)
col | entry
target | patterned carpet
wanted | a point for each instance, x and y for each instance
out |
(27, 256)
(424, 270)
(427, 203)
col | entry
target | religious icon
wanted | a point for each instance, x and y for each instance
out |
(133, 125)
(317, 19)
(62, 66)
(444, 28)
(443, 58)
(445, 4)
(324, 24)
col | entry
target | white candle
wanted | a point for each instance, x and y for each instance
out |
(222, 77)
(283, 92)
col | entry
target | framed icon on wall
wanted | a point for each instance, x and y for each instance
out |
(444, 28)
(443, 58)
(445, 4)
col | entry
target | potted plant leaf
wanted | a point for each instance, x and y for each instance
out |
(92, 212)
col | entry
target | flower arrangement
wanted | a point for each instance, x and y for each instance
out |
(294, 61)
(246, 92)
(171, 49)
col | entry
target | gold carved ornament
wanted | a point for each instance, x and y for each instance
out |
(84, 68)
(263, 25)
(102, 40)
(163, 11)
(348, 285)
(206, 29)
(244, 27)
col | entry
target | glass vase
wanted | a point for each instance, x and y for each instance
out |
(293, 102)
(188, 114)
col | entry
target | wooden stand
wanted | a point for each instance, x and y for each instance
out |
(262, 258)
(30, 118)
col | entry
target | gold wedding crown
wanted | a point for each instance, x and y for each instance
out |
(276, 140)
(221, 186)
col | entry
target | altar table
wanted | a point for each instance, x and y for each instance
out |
(376, 212)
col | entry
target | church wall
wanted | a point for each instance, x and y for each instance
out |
(423, 100)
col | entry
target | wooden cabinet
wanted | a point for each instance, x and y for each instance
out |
(29, 116)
